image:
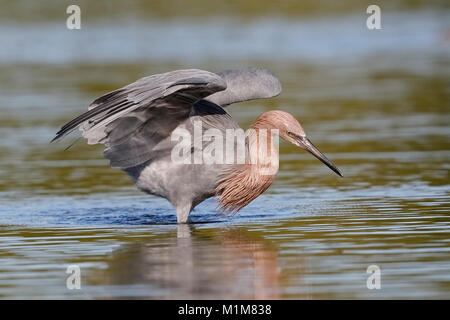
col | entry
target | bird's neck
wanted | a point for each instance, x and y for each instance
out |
(263, 150)
(242, 184)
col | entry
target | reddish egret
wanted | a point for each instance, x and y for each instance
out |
(137, 123)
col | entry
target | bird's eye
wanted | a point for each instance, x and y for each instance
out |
(289, 133)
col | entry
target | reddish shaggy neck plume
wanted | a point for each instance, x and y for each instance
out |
(241, 184)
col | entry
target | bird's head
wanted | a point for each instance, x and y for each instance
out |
(289, 129)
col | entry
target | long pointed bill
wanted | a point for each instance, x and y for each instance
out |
(306, 144)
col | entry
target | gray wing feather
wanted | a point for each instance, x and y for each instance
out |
(135, 122)
(137, 119)
(188, 85)
(246, 84)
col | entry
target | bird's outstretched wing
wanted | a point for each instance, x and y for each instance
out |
(246, 84)
(134, 120)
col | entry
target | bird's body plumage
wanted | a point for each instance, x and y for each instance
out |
(184, 185)
(137, 123)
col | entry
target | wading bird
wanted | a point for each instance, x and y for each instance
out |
(136, 124)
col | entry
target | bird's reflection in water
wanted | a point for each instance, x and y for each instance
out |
(197, 264)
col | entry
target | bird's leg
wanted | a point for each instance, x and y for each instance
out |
(183, 210)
